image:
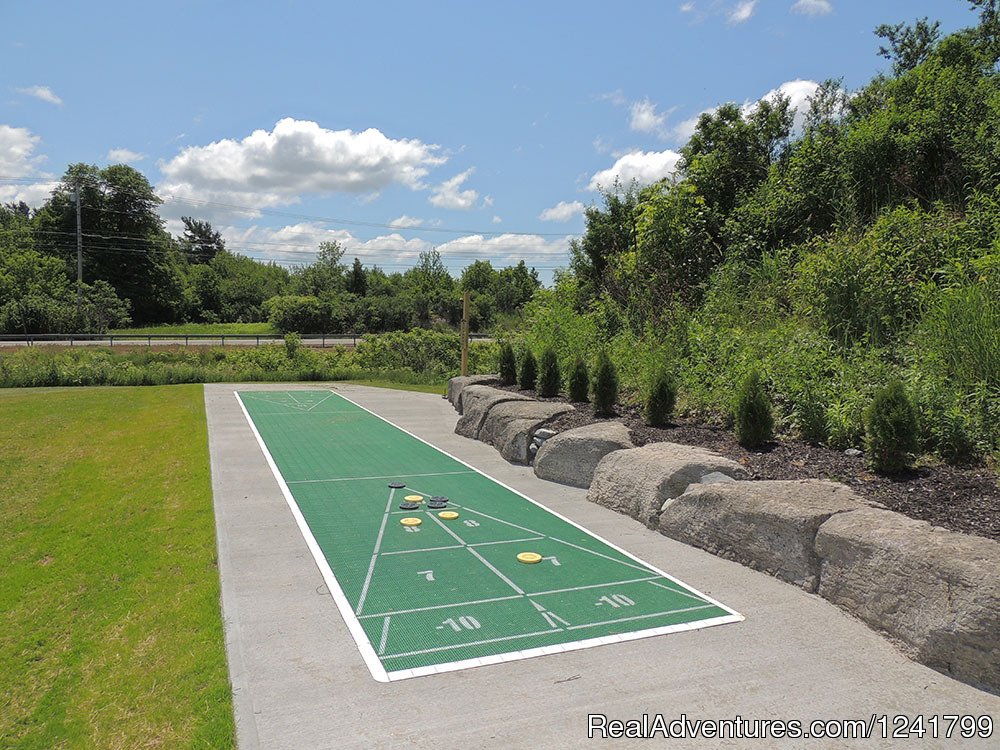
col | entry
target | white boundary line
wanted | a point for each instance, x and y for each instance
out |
(372, 660)
(346, 611)
(389, 476)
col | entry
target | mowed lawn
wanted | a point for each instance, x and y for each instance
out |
(110, 627)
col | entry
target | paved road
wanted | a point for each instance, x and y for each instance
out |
(299, 681)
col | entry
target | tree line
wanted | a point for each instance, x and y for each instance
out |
(137, 272)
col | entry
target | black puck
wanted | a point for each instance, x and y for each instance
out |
(439, 499)
(409, 506)
(437, 506)
(396, 485)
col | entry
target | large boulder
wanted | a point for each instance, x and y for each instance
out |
(572, 456)
(766, 525)
(510, 425)
(457, 385)
(477, 400)
(637, 481)
(935, 591)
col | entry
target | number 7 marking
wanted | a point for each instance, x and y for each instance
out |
(554, 559)
(427, 574)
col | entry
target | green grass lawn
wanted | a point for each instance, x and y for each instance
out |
(199, 328)
(438, 388)
(110, 629)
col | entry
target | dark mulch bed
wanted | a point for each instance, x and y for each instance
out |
(961, 498)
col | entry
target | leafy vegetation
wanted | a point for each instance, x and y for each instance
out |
(752, 418)
(661, 398)
(507, 364)
(605, 385)
(549, 379)
(112, 632)
(418, 357)
(579, 382)
(832, 258)
(527, 376)
(890, 428)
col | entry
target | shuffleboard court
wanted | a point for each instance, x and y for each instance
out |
(438, 585)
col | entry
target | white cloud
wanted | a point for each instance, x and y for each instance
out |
(616, 97)
(743, 11)
(405, 221)
(269, 168)
(124, 156)
(497, 220)
(449, 195)
(645, 167)
(687, 8)
(812, 7)
(506, 249)
(18, 160)
(41, 92)
(683, 130)
(645, 119)
(562, 211)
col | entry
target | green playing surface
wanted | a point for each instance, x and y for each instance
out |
(450, 594)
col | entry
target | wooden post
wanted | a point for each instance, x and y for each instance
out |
(465, 333)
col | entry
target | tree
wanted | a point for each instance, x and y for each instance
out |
(325, 275)
(908, 46)
(479, 276)
(357, 281)
(124, 241)
(200, 242)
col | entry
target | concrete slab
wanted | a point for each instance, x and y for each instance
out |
(299, 681)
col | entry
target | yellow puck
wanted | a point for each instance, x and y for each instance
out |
(529, 557)
(448, 515)
(414, 498)
(410, 521)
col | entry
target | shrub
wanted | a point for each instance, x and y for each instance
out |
(579, 382)
(549, 379)
(292, 343)
(508, 365)
(890, 428)
(661, 398)
(529, 371)
(753, 419)
(605, 385)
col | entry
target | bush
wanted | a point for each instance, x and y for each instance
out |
(605, 385)
(661, 398)
(890, 429)
(529, 371)
(549, 379)
(753, 418)
(292, 343)
(508, 365)
(579, 382)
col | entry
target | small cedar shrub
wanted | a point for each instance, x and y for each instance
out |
(890, 429)
(661, 399)
(508, 365)
(605, 386)
(549, 378)
(529, 371)
(579, 382)
(753, 419)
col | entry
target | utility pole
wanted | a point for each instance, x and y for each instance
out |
(79, 257)
(465, 333)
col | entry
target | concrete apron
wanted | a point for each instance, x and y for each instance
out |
(299, 681)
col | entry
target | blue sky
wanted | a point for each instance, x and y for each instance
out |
(394, 127)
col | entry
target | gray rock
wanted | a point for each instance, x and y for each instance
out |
(509, 425)
(716, 477)
(532, 449)
(477, 400)
(544, 434)
(852, 452)
(935, 591)
(766, 525)
(571, 456)
(457, 385)
(638, 481)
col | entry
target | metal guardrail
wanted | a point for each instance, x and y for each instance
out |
(314, 339)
